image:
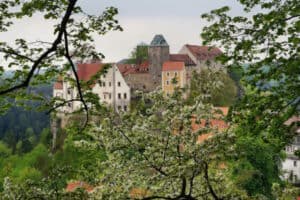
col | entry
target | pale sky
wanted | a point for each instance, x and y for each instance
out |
(178, 20)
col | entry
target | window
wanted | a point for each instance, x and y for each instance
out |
(167, 82)
(109, 95)
(109, 84)
(119, 84)
(104, 76)
(119, 95)
(168, 74)
(100, 83)
(175, 73)
(125, 108)
(104, 96)
(103, 84)
(295, 163)
(298, 139)
(125, 96)
(59, 94)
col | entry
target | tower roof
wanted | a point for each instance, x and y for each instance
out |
(159, 40)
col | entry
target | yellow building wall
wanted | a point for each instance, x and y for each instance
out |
(168, 89)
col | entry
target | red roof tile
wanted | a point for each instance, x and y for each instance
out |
(138, 193)
(182, 58)
(85, 71)
(216, 123)
(71, 187)
(123, 68)
(173, 66)
(58, 85)
(126, 69)
(204, 52)
(292, 120)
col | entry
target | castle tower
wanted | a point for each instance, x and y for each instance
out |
(158, 53)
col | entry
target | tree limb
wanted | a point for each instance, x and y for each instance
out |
(53, 48)
(76, 78)
(61, 104)
(12, 52)
(210, 188)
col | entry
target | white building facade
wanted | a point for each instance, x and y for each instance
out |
(291, 165)
(111, 88)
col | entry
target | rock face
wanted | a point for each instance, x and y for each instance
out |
(158, 53)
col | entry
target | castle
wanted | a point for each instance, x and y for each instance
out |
(147, 76)
(115, 88)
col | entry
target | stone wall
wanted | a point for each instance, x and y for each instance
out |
(157, 56)
(140, 81)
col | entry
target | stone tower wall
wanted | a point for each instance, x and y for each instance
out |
(157, 56)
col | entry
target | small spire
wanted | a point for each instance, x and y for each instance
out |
(159, 40)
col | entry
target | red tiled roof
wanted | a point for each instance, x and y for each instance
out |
(144, 66)
(204, 52)
(138, 193)
(71, 187)
(224, 110)
(85, 71)
(216, 123)
(182, 58)
(58, 85)
(213, 123)
(291, 120)
(123, 68)
(203, 137)
(126, 69)
(173, 66)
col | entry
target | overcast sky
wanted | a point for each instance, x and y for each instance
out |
(178, 20)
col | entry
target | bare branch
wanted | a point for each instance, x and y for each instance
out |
(61, 104)
(12, 52)
(291, 17)
(76, 78)
(158, 169)
(210, 188)
(53, 48)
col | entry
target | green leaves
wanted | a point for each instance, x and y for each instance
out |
(38, 62)
(265, 46)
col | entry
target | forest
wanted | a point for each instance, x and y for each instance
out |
(223, 137)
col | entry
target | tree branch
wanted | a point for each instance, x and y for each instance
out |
(76, 78)
(157, 197)
(158, 169)
(12, 52)
(53, 48)
(61, 104)
(183, 186)
(210, 188)
(291, 17)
